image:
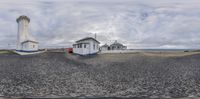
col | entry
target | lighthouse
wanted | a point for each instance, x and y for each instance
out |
(25, 43)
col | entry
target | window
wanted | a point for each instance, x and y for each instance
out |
(80, 45)
(33, 46)
(94, 46)
(84, 45)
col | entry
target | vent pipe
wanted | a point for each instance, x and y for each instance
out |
(95, 36)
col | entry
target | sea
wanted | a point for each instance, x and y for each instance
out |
(163, 50)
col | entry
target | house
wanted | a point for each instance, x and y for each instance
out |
(117, 46)
(25, 43)
(114, 46)
(86, 46)
(105, 47)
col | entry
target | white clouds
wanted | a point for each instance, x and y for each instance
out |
(137, 23)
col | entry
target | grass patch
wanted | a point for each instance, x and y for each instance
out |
(5, 52)
(196, 51)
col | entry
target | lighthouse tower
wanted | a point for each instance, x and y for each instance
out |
(24, 41)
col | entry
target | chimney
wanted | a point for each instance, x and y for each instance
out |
(95, 36)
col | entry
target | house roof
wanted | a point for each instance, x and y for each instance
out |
(105, 45)
(80, 43)
(116, 44)
(87, 38)
(29, 41)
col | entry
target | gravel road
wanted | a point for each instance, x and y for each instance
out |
(106, 75)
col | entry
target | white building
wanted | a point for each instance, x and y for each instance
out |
(86, 46)
(25, 43)
(105, 47)
(114, 46)
(117, 46)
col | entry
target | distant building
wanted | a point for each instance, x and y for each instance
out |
(86, 46)
(117, 46)
(114, 46)
(25, 43)
(105, 47)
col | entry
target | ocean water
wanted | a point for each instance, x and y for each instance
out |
(161, 50)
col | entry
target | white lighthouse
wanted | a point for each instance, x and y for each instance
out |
(25, 43)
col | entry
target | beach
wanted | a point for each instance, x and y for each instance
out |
(139, 74)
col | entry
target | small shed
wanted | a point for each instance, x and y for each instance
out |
(86, 46)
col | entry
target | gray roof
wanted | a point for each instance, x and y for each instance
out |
(81, 43)
(116, 44)
(87, 38)
(105, 45)
(29, 41)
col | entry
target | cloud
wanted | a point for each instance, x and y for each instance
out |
(136, 23)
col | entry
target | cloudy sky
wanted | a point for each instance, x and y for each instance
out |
(135, 23)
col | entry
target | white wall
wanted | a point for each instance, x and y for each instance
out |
(82, 50)
(89, 48)
(92, 48)
(104, 48)
(23, 32)
(117, 51)
(30, 46)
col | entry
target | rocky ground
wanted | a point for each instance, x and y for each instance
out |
(105, 75)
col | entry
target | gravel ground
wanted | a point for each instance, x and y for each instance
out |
(106, 75)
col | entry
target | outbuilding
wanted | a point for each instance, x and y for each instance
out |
(86, 46)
